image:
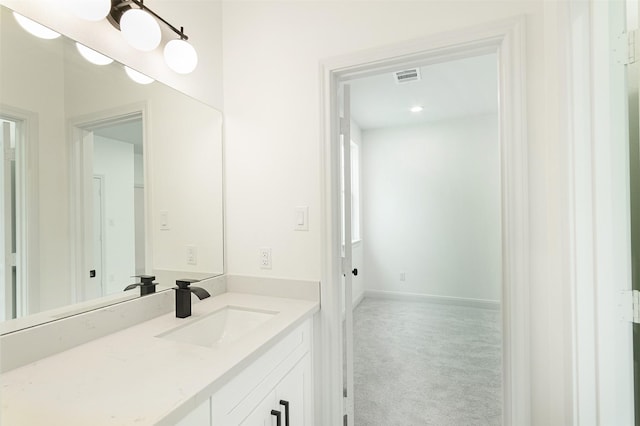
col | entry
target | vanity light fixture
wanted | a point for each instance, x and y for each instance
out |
(137, 76)
(34, 28)
(180, 56)
(91, 10)
(416, 108)
(140, 28)
(93, 56)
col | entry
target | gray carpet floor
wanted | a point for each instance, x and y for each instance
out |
(418, 363)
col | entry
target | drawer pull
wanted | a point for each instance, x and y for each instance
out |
(286, 411)
(277, 414)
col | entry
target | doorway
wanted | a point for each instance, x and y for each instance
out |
(503, 40)
(110, 197)
(426, 241)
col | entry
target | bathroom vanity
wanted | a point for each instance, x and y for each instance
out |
(241, 358)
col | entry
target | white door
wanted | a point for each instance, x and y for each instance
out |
(347, 263)
(96, 284)
(7, 254)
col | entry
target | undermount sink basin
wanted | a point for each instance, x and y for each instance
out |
(223, 326)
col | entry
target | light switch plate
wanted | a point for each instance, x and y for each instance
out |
(164, 220)
(301, 218)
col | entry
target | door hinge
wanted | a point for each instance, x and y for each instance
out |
(630, 305)
(626, 47)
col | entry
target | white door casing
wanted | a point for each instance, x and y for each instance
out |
(26, 260)
(96, 285)
(347, 258)
(7, 224)
(81, 173)
(506, 39)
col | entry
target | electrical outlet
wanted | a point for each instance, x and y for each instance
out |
(192, 255)
(265, 258)
(403, 276)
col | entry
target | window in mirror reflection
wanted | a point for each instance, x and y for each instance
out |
(116, 211)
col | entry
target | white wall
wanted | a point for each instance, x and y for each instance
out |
(271, 57)
(432, 208)
(113, 161)
(183, 140)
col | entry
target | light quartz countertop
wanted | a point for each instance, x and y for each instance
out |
(132, 377)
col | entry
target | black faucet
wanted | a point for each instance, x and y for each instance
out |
(183, 296)
(146, 284)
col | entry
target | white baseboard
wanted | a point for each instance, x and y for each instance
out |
(358, 299)
(443, 300)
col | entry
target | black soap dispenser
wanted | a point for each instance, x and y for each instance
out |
(146, 284)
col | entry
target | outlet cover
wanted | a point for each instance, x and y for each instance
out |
(192, 255)
(265, 258)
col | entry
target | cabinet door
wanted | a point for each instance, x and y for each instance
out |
(261, 414)
(295, 389)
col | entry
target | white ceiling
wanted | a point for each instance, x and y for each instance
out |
(128, 131)
(458, 88)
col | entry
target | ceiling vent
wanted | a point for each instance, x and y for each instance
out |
(406, 76)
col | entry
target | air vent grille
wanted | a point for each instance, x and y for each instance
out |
(406, 76)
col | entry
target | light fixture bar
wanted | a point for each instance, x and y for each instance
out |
(180, 32)
(118, 7)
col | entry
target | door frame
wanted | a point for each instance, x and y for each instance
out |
(506, 38)
(28, 200)
(81, 192)
(599, 217)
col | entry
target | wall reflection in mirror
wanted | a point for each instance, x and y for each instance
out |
(103, 179)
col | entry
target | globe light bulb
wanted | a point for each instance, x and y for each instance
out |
(140, 30)
(34, 28)
(93, 56)
(138, 77)
(180, 56)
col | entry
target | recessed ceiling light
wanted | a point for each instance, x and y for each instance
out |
(416, 108)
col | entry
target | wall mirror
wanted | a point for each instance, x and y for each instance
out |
(103, 179)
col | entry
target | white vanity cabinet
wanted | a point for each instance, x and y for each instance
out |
(282, 373)
(287, 400)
